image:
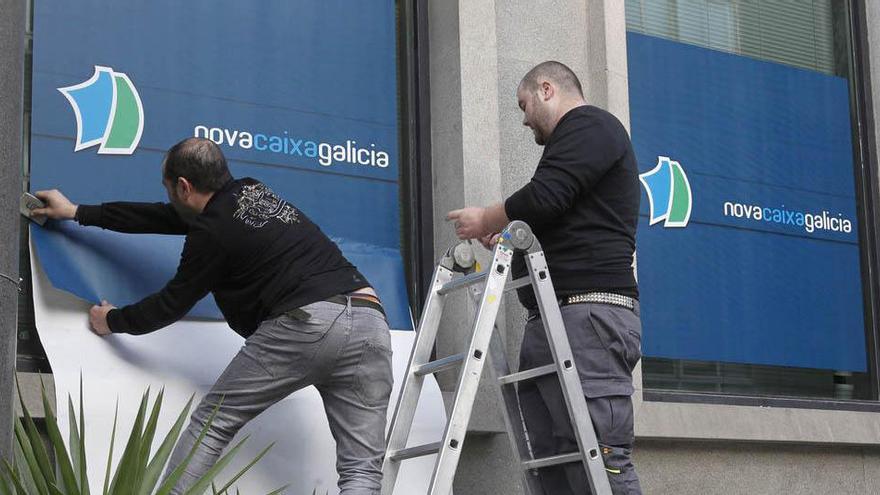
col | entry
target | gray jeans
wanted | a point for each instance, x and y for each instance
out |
(606, 345)
(344, 352)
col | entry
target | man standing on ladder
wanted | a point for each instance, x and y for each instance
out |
(582, 204)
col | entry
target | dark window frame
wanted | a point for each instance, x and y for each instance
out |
(867, 176)
(415, 138)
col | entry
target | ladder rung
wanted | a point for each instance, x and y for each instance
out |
(527, 374)
(411, 452)
(438, 365)
(462, 282)
(516, 284)
(553, 461)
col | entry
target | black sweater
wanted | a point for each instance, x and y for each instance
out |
(255, 252)
(582, 204)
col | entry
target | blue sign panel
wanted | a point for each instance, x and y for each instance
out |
(301, 95)
(748, 242)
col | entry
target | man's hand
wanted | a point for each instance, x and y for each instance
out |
(476, 223)
(58, 207)
(98, 318)
(489, 241)
(470, 222)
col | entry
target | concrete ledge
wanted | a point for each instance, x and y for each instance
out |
(663, 420)
(730, 468)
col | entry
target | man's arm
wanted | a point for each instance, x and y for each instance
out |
(135, 218)
(201, 265)
(578, 159)
(476, 223)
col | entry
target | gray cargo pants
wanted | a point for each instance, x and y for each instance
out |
(606, 344)
(344, 352)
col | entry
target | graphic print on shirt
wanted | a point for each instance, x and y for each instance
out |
(257, 204)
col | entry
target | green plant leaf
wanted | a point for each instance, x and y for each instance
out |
(54, 490)
(147, 440)
(74, 440)
(13, 476)
(20, 466)
(110, 455)
(62, 458)
(246, 468)
(175, 475)
(154, 469)
(39, 450)
(7, 486)
(126, 469)
(278, 490)
(83, 466)
(5, 489)
(199, 487)
(32, 463)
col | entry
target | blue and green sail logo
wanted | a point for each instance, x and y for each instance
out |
(669, 193)
(108, 112)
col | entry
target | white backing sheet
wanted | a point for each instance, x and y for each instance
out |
(185, 358)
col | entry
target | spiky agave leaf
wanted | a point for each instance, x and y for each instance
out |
(135, 469)
(199, 487)
(175, 475)
(62, 457)
(246, 468)
(106, 490)
(154, 469)
(45, 474)
(126, 473)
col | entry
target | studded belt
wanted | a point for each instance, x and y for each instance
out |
(589, 297)
(599, 298)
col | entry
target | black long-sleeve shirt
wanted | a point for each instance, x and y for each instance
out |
(258, 255)
(582, 204)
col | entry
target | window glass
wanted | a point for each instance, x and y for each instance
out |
(749, 241)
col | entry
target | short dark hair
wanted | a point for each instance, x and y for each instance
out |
(556, 72)
(199, 161)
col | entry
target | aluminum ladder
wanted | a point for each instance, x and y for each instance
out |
(452, 274)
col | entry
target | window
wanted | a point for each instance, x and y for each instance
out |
(238, 85)
(759, 289)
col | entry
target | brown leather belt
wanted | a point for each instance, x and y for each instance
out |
(358, 301)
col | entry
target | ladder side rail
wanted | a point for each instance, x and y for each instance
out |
(513, 419)
(411, 388)
(471, 370)
(581, 423)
